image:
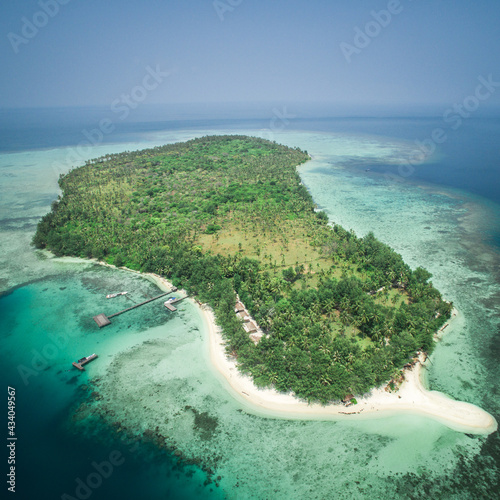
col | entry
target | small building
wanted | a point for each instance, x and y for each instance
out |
(243, 315)
(250, 327)
(248, 324)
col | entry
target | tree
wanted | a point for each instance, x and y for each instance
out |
(289, 274)
(322, 216)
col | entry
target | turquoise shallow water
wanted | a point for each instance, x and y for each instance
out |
(49, 325)
(153, 375)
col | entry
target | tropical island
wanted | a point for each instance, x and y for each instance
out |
(228, 219)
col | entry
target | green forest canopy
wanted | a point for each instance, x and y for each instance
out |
(223, 215)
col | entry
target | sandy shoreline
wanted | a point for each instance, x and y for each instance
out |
(412, 397)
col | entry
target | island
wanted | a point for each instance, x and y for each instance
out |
(304, 308)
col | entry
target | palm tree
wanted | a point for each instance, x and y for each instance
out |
(344, 304)
(376, 334)
(324, 349)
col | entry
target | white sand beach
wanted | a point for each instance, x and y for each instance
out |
(412, 396)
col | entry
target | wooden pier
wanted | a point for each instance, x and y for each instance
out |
(169, 304)
(79, 364)
(103, 320)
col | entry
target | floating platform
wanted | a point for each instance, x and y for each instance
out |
(102, 320)
(79, 364)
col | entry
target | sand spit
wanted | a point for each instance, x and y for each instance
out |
(412, 396)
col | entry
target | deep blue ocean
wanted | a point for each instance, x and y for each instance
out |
(470, 160)
(51, 455)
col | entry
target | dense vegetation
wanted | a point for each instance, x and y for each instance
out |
(228, 214)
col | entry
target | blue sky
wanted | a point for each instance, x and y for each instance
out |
(92, 52)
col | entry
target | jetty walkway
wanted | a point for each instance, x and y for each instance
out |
(103, 320)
